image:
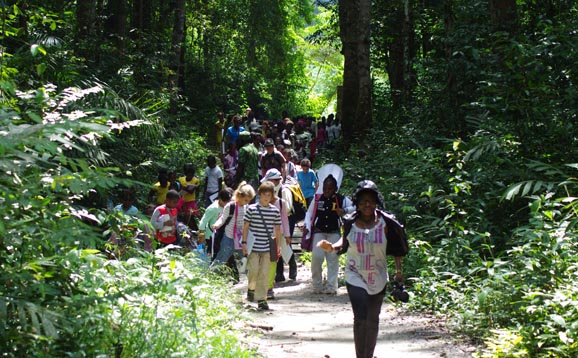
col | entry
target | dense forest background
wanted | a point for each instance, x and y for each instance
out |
(464, 113)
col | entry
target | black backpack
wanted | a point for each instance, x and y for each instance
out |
(220, 232)
(396, 239)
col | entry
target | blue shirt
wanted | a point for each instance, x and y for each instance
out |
(307, 182)
(233, 133)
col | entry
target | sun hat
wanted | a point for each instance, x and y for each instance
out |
(271, 174)
(367, 185)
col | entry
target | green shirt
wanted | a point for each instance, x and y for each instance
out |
(249, 158)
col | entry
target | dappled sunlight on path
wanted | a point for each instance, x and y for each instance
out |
(303, 324)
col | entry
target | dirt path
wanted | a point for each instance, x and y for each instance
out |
(301, 324)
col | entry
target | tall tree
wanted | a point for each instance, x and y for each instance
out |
(354, 21)
(177, 61)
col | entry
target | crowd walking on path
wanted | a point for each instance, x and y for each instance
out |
(244, 210)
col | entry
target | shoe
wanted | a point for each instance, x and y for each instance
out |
(270, 294)
(279, 279)
(293, 278)
(317, 291)
(250, 295)
(329, 291)
(263, 306)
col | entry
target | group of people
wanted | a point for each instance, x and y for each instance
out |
(254, 223)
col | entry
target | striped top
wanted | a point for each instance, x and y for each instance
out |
(262, 232)
(366, 260)
(236, 221)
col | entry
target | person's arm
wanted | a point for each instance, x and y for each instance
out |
(315, 180)
(348, 205)
(287, 197)
(155, 220)
(283, 165)
(244, 237)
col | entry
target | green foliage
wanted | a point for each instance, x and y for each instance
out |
(59, 296)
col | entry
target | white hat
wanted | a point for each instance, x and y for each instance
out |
(271, 174)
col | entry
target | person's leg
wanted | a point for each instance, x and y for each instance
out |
(372, 323)
(317, 257)
(271, 279)
(359, 301)
(262, 276)
(292, 268)
(279, 274)
(292, 263)
(332, 265)
(225, 251)
(252, 270)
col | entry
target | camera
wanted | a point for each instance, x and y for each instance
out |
(399, 293)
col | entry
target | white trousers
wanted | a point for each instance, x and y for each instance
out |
(317, 258)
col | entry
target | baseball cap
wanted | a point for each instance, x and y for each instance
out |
(269, 143)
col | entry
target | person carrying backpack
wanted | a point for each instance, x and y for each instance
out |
(323, 223)
(367, 240)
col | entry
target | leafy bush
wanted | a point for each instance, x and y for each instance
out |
(58, 295)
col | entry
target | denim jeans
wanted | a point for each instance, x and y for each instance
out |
(226, 251)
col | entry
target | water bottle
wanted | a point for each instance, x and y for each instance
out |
(201, 249)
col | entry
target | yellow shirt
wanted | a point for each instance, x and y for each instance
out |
(189, 196)
(161, 192)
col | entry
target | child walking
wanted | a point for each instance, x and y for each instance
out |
(164, 219)
(232, 217)
(211, 216)
(188, 206)
(213, 180)
(264, 221)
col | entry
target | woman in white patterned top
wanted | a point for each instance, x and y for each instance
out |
(366, 269)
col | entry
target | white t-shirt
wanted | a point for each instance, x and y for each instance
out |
(213, 175)
(366, 265)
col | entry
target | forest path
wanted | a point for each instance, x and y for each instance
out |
(301, 324)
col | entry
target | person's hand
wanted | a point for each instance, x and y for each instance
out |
(325, 246)
(245, 251)
(305, 231)
(340, 212)
(202, 240)
(214, 227)
(288, 241)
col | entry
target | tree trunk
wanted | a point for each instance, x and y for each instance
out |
(86, 28)
(503, 14)
(176, 66)
(354, 20)
(116, 23)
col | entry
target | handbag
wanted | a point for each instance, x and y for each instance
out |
(272, 241)
(307, 242)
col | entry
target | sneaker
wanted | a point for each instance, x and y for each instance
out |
(279, 279)
(250, 295)
(270, 294)
(317, 291)
(329, 291)
(262, 305)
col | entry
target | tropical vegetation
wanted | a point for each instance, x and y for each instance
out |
(471, 135)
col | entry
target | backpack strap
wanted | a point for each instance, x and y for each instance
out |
(231, 214)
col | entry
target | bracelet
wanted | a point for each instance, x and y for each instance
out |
(244, 242)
